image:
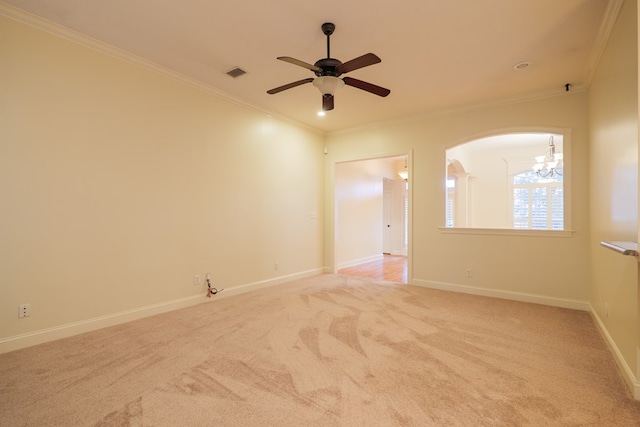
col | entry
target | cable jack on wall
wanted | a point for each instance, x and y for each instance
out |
(210, 290)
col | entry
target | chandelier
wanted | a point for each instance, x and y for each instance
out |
(550, 164)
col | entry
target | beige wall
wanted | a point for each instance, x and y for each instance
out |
(358, 212)
(541, 268)
(118, 185)
(614, 185)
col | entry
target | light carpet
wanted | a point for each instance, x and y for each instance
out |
(329, 350)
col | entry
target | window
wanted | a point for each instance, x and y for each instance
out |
(451, 202)
(538, 203)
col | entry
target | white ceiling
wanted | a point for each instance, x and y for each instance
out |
(436, 54)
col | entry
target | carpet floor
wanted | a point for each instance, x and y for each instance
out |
(329, 350)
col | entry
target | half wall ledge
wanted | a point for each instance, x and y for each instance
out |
(623, 248)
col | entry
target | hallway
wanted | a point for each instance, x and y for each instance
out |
(392, 268)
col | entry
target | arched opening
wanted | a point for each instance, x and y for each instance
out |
(509, 181)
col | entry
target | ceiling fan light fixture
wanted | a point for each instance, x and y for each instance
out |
(328, 85)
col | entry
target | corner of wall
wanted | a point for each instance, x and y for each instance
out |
(626, 371)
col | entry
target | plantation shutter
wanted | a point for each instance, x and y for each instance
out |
(538, 203)
(557, 207)
(450, 203)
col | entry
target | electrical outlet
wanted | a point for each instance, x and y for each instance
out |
(276, 266)
(208, 276)
(196, 279)
(469, 272)
(24, 310)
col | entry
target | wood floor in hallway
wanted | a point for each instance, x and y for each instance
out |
(392, 268)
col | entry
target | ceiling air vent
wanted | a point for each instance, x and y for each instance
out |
(236, 72)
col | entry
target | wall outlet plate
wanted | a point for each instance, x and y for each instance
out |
(24, 310)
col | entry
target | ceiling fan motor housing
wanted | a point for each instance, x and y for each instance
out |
(329, 67)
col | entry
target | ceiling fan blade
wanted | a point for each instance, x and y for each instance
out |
(327, 102)
(359, 62)
(376, 90)
(300, 63)
(289, 86)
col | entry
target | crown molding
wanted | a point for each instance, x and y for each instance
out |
(608, 22)
(467, 108)
(611, 14)
(81, 39)
(602, 38)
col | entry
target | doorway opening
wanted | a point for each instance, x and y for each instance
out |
(372, 219)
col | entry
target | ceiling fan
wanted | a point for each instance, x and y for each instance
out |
(328, 71)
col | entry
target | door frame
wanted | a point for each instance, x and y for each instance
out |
(331, 208)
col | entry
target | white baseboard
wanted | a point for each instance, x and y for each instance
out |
(627, 372)
(70, 329)
(398, 253)
(510, 295)
(363, 260)
(241, 289)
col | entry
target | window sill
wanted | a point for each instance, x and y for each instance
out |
(506, 232)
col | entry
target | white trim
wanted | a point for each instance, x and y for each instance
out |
(70, 329)
(506, 232)
(510, 295)
(241, 289)
(359, 261)
(567, 134)
(626, 371)
(600, 43)
(399, 253)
